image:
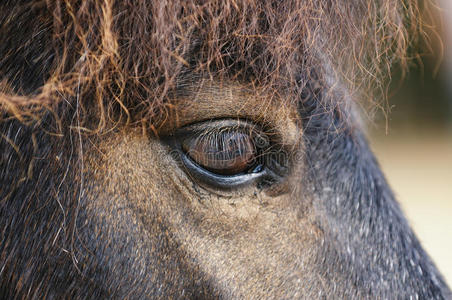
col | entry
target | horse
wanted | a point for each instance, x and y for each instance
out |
(201, 150)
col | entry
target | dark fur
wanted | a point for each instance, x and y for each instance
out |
(60, 71)
(372, 240)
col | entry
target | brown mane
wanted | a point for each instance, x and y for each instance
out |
(122, 59)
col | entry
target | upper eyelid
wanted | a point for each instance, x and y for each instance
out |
(269, 134)
(227, 123)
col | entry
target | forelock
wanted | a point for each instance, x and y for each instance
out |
(124, 58)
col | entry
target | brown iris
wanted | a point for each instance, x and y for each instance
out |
(225, 152)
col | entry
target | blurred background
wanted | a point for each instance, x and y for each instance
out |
(413, 142)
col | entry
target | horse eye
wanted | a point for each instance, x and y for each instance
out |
(226, 152)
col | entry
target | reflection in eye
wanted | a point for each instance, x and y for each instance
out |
(224, 152)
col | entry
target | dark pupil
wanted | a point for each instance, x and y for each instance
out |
(224, 152)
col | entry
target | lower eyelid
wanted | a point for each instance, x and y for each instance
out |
(220, 181)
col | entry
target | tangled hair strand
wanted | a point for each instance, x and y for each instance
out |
(125, 57)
